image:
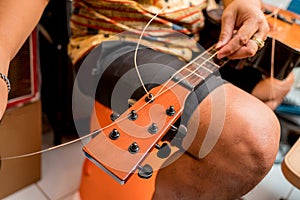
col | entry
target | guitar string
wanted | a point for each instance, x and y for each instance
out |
(272, 91)
(102, 129)
(274, 14)
(113, 123)
(193, 72)
(185, 67)
(138, 44)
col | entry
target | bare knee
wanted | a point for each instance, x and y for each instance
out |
(242, 155)
(252, 135)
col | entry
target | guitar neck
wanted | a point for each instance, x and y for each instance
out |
(199, 69)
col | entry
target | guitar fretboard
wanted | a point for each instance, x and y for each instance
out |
(198, 70)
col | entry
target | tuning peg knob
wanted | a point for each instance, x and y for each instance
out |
(145, 172)
(153, 128)
(163, 151)
(133, 115)
(182, 131)
(134, 148)
(114, 116)
(170, 111)
(114, 134)
(149, 98)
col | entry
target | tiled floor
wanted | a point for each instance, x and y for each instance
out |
(61, 171)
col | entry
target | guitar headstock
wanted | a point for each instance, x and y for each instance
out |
(121, 148)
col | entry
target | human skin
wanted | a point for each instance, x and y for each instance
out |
(243, 155)
(17, 20)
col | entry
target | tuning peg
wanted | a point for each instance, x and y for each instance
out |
(181, 133)
(133, 115)
(163, 151)
(149, 98)
(170, 111)
(114, 116)
(153, 128)
(114, 134)
(145, 172)
(134, 148)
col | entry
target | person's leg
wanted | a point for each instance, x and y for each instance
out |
(272, 91)
(242, 156)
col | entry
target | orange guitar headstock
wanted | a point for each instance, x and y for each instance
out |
(121, 148)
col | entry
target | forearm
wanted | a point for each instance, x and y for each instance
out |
(17, 20)
(227, 2)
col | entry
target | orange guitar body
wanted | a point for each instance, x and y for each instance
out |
(98, 185)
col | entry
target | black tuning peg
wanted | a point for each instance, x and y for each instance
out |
(114, 116)
(149, 98)
(134, 148)
(182, 131)
(133, 115)
(170, 111)
(180, 134)
(153, 128)
(163, 151)
(145, 172)
(114, 134)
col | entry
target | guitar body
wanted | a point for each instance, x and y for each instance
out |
(285, 34)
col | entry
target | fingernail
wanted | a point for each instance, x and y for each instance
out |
(219, 44)
(220, 56)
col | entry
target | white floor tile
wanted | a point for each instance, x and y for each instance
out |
(61, 171)
(273, 187)
(73, 196)
(31, 192)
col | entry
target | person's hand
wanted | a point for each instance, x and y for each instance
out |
(243, 22)
(3, 97)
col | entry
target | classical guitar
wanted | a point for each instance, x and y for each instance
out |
(123, 146)
(284, 30)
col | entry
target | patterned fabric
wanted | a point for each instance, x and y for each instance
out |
(94, 21)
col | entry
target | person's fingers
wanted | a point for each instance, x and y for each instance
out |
(239, 40)
(252, 31)
(226, 30)
(247, 50)
(255, 43)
